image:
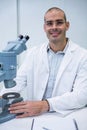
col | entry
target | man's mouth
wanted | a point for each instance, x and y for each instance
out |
(55, 33)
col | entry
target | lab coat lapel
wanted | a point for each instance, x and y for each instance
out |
(64, 63)
(45, 58)
(66, 60)
(43, 72)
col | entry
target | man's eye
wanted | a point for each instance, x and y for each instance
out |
(57, 23)
(60, 22)
(49, 23)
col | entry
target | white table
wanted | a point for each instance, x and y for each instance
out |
(53, 121)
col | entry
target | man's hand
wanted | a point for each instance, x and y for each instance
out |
(29, 108)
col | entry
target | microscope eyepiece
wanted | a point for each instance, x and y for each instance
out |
(20, 36)
(26, 37)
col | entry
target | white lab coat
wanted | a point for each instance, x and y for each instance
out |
(70, 89)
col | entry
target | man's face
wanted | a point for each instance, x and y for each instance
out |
(55, 26)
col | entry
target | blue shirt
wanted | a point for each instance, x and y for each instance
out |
(54, 60)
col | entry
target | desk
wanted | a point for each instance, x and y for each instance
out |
(49, 119)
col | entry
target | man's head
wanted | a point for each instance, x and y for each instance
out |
(55, 25)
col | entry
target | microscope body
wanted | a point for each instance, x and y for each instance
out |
(8, 70)
(8, 60)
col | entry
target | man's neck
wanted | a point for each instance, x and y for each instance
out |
(59, 46)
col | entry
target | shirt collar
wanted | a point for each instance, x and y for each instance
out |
(64, 51)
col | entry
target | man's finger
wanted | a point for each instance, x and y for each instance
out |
(23, 115)
(19, 103)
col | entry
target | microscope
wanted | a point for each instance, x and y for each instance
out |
(8, 70)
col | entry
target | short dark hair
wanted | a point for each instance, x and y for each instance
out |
(58, 9)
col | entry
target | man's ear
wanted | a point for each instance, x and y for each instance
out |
(67, 25)
(44, 27)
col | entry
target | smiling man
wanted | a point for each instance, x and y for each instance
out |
(55, 73)
(55, 27)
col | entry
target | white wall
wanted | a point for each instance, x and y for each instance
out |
(8, 22)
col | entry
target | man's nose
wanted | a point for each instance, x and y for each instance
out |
(54, 25)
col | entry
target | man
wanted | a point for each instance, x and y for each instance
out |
(55, 73)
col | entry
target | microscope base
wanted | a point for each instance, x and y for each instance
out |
(6, 116)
